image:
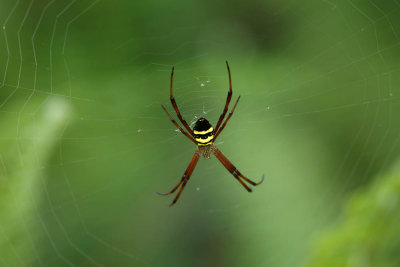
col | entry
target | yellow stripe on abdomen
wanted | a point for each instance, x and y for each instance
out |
(204, 132)
(209, 143)
(206, 140)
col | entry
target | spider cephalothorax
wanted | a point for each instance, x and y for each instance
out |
(204, 136)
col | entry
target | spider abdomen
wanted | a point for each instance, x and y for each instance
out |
(203, 132)
(204, 139)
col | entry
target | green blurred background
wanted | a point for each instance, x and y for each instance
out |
(84, 143)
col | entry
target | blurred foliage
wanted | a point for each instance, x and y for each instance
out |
(367, 234)
(22, 182)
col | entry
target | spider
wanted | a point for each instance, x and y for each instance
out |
(204, 136)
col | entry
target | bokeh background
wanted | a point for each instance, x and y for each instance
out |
(84, 143)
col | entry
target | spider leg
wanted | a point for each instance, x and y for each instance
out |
(232, 169)
(179, 127)
(176, 107)
(228, 100)
(185, 177)
(227, 119)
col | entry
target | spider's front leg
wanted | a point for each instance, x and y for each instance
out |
(235, 172)
(185, 177)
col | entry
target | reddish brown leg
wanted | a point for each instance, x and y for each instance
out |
(185, 177)
(227, 119)
(177, 125)
(232, 169)
(228, 100)
(176, 107)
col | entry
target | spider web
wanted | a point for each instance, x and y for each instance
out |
(85, 144)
